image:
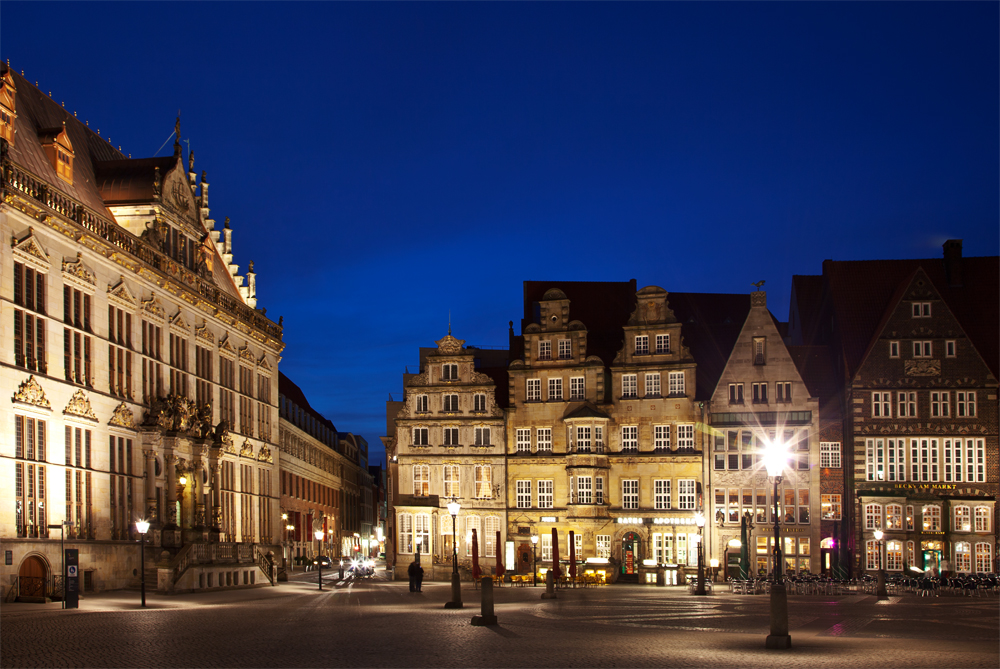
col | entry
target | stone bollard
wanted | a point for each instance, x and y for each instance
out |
(779, 637)
(487, 616)
(550, 585)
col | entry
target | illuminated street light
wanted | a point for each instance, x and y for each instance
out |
(880, 590)
(319, 557)
(700, 522)
(775, 457)
(534, 560)
(142, 526)
(456, 583)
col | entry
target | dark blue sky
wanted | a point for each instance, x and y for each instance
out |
(384, 164)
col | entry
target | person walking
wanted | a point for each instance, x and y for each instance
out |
(412, 573)
(420, 578)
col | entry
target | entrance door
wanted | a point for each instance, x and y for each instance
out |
(31, 577)
(524, 559)
(631, 553)
(932, 558)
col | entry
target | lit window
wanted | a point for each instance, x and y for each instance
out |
(584, 490)
(544, 350)
(676, 384)
(576, 388)
(982, 519)
(545, 499)
(963, 519)
(652, 386)
(642, 345)
(523, 440)
(685, 436)
(533, 390)
(544, 439)
(451, 482)
(984, 558)
(963, 557)
(663, 343)
(829, 454)
(629, 385)
(484, 482)
(894, 516)
(686, 494)
(630, 437)
(524, 494)
(421, 479)
(830, 507)
(661, 494)
(630, 494)
(932, 518)
(555, 389)
(873, 516)
(661, 437)
(583, 439)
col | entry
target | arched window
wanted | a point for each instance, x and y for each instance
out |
(472, 523)
(871, 554)
(873, 516)
(983, 519)
(422, 531)
(490, 535)
(963, 557)
(932, 518)
(405, 523)
(894, 517)
(421, 479)
(963, 519)
(984, 558)
(894, 555)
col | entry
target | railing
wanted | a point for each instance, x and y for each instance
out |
(264, 563)
(35, 586)
(17, 179)
(221, 553)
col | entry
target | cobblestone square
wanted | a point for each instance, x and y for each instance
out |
(378, 623)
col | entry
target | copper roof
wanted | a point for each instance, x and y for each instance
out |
(130, 181)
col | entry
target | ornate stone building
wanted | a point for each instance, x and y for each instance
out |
(761, 398)
(447, 441)
(142, 377)
(917, 349)
(602, 437)
(318, 481)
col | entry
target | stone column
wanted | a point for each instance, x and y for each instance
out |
(150, 483)
(170, 460)
(199, 492)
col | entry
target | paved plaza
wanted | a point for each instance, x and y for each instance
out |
(377, 623)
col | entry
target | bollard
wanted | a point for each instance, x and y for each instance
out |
(779, 638)
(550, 585)
(487, 616)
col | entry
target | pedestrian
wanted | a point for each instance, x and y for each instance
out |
(420, 578)
(412, 573)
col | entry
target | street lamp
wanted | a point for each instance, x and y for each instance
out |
(775, 455)
(456, 583)
(880, 590)
(700, 522)
(142, 526)
(417, 540)
(319, 558)
(534, 560)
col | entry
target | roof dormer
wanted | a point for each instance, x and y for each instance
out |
(59, 151)
(8, 105)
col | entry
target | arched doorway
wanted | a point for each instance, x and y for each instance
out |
(31, 577)
(631, 553)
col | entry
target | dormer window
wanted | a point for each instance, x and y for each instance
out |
(544, 350)
(449, 372)
(59, 151)
(8, 110)
(759, 352)
(921, 310)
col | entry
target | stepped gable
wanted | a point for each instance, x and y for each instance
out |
(603, 307)
(862, 290)
(711, 324)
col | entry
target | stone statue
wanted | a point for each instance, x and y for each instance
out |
(190, 161)
(151, 235)
(205, 421)
(156, 182)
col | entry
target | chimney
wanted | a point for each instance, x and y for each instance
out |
(953, 262)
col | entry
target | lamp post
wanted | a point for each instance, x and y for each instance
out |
(775, 456)
(456, 582)
(417, 541)
(142, 526)
(700, 522)
(289, 528)
(319, 558)
(534, 560)
(880, 591)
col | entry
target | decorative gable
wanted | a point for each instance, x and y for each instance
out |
(247, 355)
(27, 250)
(449, 345)
(79, 405)
(76, 274)
(202, 332)
(59, 150)
(153, 307)
(120, 293)
(8, 105)
(30, 392)
(178, 324)
(226, 347)
(263, 364)
(122, 417)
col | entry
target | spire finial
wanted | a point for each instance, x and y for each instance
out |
(449, 322)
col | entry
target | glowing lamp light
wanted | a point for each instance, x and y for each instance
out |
(454, 507)
(318, 534)
(184, 480)
(775, 457)
(714, 563)
(878, 535)
(735, 543)
(534, 539)
(142, 526)
(699, 520)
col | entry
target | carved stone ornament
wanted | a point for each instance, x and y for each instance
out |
(264, 455)
(152, 306)
(247, 450)
(30, 251)
(79, 405)
(262, 363)
(203, 332)
(177, 321)
(247, 354)
(75, 268)
(449, 345)
(224, 438)
(30, 392)
(121, 293)
(174, 413)
(122, 417)
(923, 367)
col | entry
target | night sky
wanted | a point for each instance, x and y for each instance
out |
(386, 164)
